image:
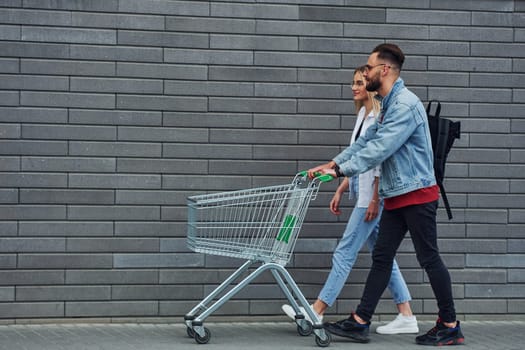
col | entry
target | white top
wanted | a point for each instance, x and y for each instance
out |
(366, 180)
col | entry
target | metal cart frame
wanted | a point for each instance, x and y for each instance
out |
(260, 225)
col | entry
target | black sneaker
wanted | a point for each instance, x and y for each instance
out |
(442, 335)
(349, 328)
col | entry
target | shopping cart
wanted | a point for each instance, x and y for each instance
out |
(260, 225)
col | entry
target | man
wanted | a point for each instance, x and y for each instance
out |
(400, 142)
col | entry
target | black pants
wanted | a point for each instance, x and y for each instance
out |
(420, 221)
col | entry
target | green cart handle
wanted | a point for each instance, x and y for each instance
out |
(319, 176)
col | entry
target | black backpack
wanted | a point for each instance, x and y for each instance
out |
(443, 133)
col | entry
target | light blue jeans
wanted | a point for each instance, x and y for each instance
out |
(357, 232)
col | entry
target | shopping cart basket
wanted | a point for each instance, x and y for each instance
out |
(260, 225)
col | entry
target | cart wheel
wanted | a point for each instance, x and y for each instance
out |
(190, 332)
(305, 331)
(205, 339)
(323, 343)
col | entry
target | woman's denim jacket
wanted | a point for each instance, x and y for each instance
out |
(399, 141)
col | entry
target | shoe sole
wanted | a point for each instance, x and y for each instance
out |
(399, 331)
(458, 341)
(355, 337)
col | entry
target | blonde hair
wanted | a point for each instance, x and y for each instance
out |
(376, 106)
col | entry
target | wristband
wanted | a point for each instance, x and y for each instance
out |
(338, 172)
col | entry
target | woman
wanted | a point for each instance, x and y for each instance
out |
(362, 227)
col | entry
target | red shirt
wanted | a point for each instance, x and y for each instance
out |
(423, 195)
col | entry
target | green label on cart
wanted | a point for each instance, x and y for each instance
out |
(286, 231)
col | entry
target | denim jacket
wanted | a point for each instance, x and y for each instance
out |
(399, 141)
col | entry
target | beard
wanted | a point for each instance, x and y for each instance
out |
(373, 84)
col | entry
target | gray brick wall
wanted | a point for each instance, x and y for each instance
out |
(113, 112)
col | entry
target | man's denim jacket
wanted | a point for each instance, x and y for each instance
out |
(399, 141)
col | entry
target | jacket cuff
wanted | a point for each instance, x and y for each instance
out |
(339, 159)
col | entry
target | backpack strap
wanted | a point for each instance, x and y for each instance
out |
(453, 132)
(440, 158)
(438, 108)
(445, 200)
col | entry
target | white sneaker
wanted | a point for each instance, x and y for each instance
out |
(401, 324)
(289, 311)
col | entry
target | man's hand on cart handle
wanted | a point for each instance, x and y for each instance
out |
(328, 169)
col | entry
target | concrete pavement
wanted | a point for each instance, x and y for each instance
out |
(501, 335)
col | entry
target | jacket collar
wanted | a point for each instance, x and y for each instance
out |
(385, 101)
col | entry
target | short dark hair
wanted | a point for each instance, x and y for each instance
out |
(390, 52)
